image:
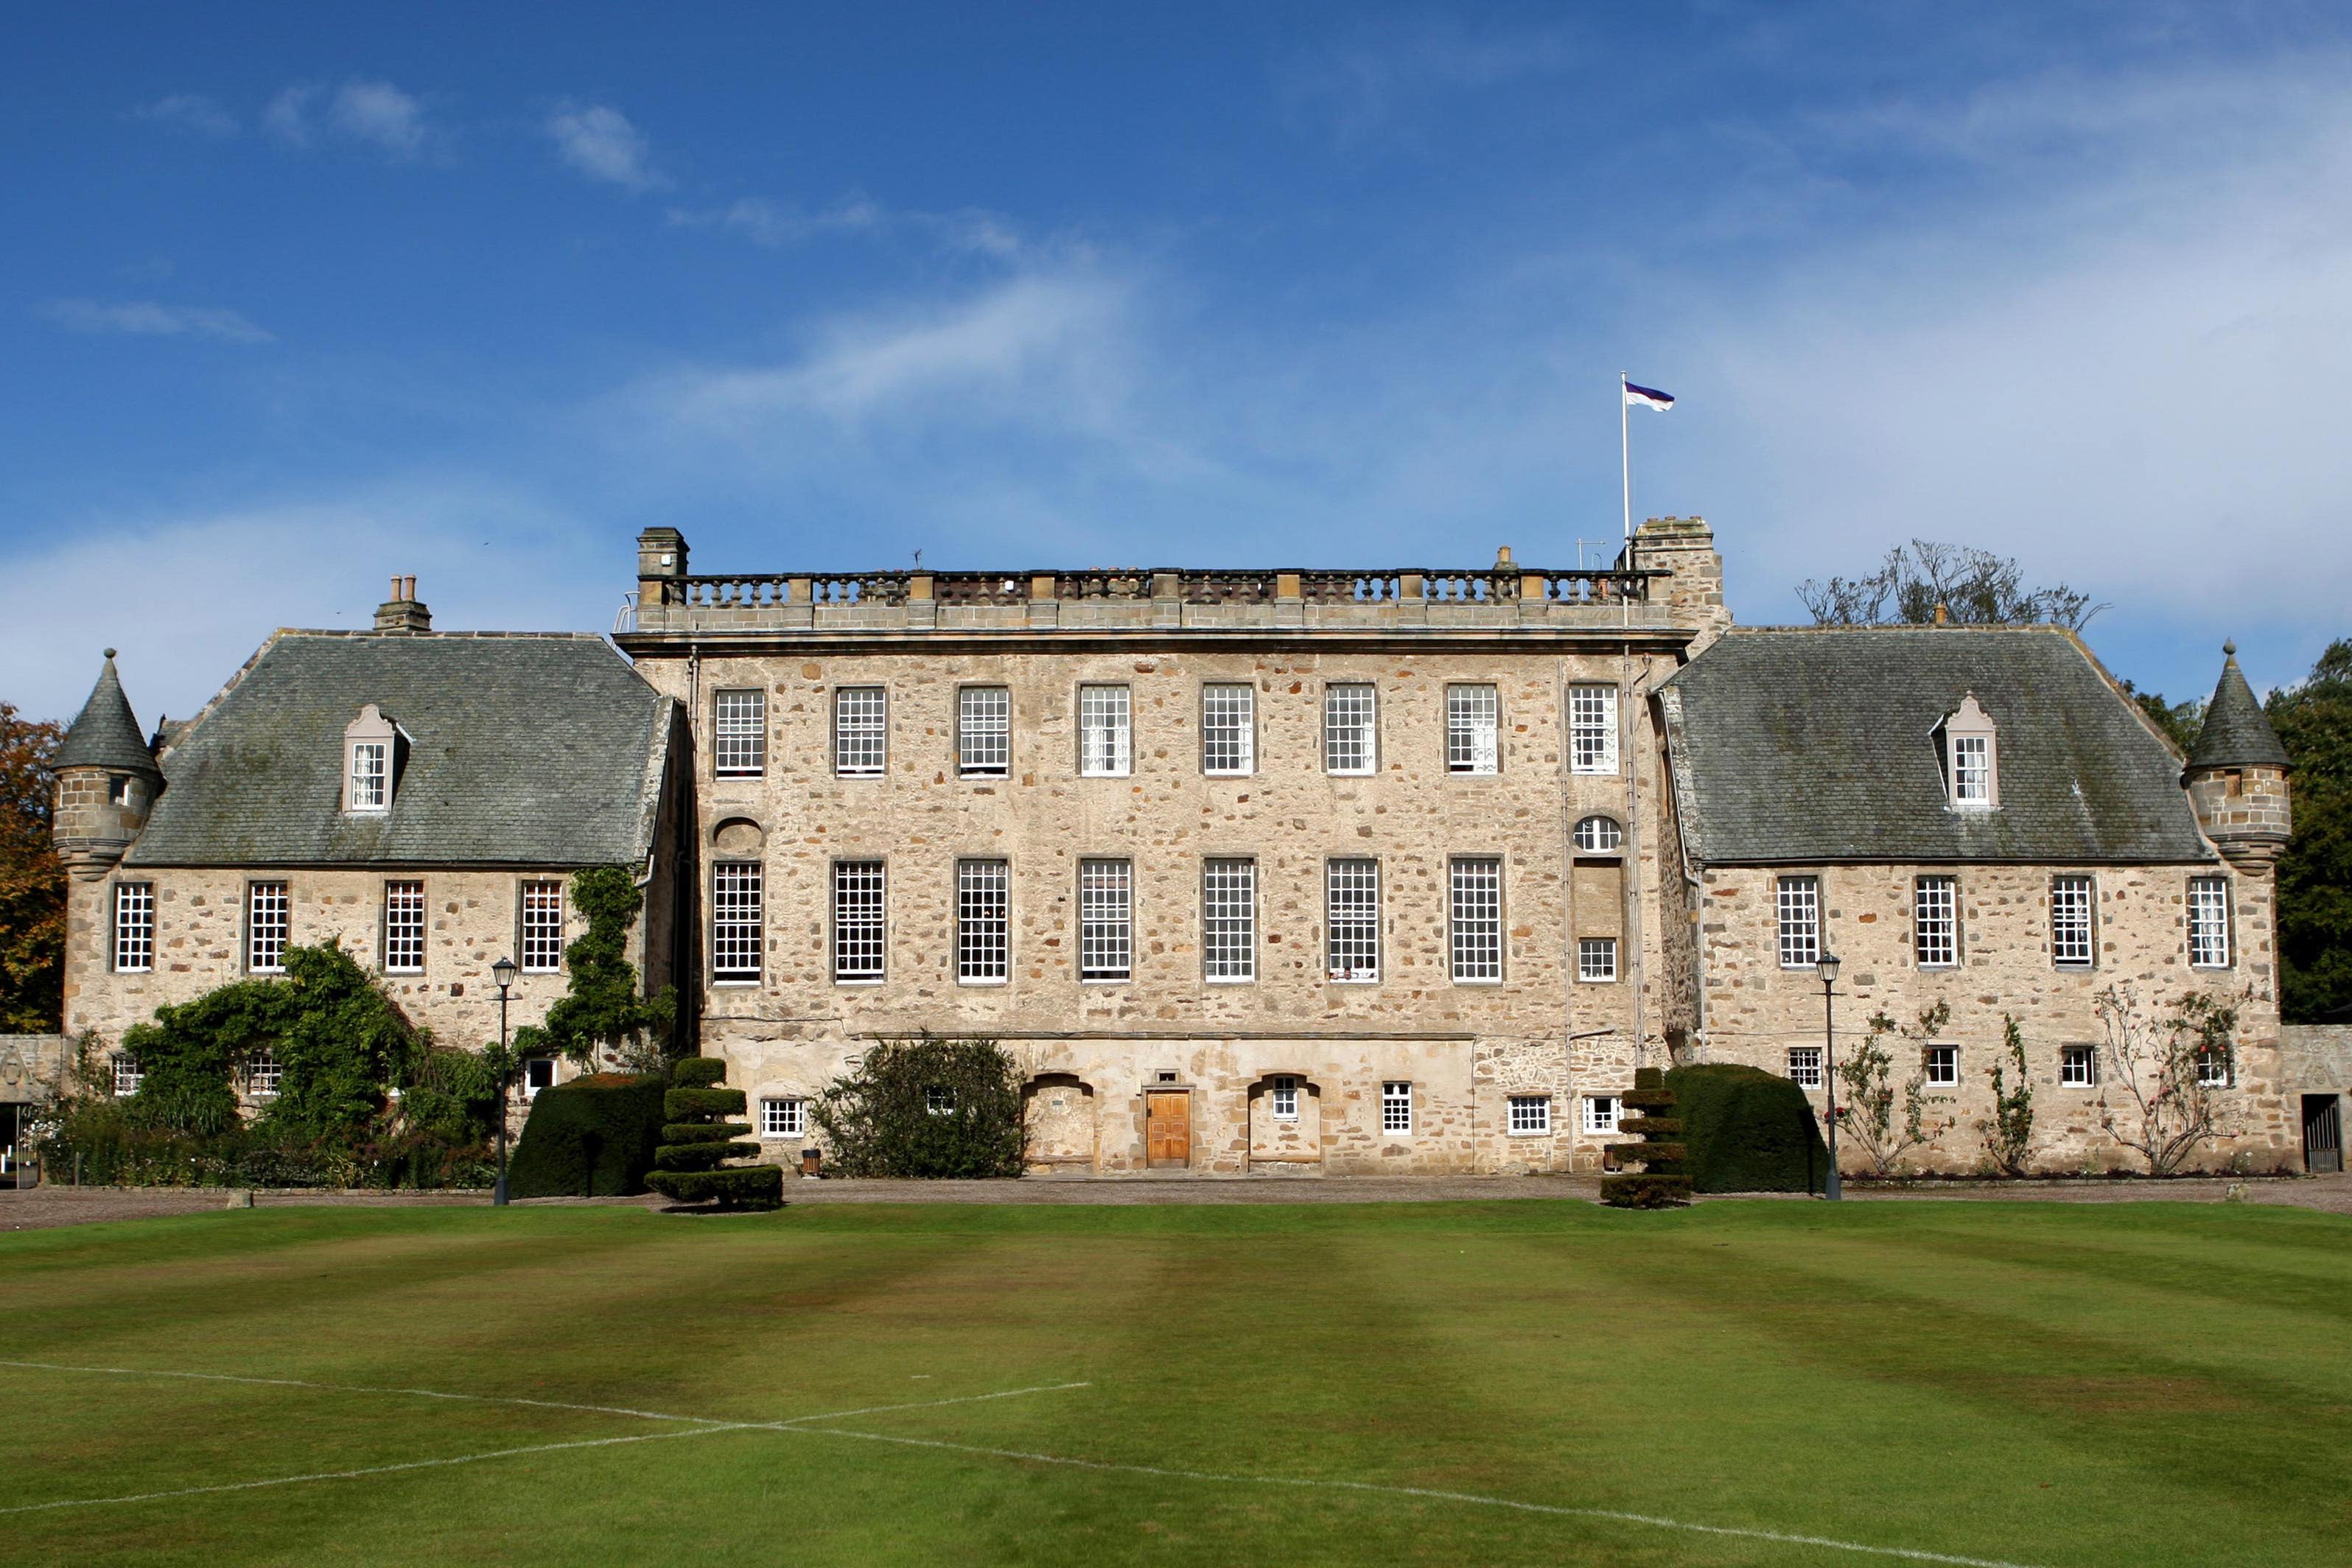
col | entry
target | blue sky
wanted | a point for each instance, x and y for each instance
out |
(294, 298)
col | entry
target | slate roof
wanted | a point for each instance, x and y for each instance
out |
(2237, 733)
(520, 749)
(1793, 746)
(106, 733)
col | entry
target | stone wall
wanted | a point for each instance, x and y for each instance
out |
(32, 1068)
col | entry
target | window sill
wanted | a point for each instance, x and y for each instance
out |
(1496, 981)
(719, 984)
(1124, 775)
(858, 979)
(1596, 980)
(1229, 980)
(1128, 979)
(1538, 1132)
(1351, 980)
(983, 984)
(725, 774)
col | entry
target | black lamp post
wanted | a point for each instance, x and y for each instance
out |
(503, 971)
(1826, 966)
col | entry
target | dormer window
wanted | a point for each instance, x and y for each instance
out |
(371, 762)
(1971, 760)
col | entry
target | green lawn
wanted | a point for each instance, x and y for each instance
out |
(2054, 1386)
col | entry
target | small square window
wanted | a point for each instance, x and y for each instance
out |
(1603, 1112)
(1942, 1065)
(127, 1074)
(1285, 1098)
(783, 1118)
(1596, 957)
(1805, 1065)
(2214, 1069)
(2078, 1065)
(263, 1074)
(1531, 1115)
(939, 1101)
(1396, 1108)
(537, 1073)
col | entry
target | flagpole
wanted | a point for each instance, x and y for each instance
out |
(1625, 452)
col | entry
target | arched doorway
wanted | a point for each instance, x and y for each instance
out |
(1285, 1125)
(1058, 1109)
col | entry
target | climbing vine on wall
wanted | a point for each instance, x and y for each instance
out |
(602, 1009)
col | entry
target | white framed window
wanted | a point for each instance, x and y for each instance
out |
(1599, 836)
(1805, 1065)
(1349, 728)
(1942, 1065)
(2070, 900)
(783, 1118)
(983, 731)
(857, 890)
(984, 922)
(1972, 770)
(2078, 1065)
(403, 928)
(738, 734)
(1596, 959)
(861, 731)
(542, 927)
(1602, 1112)
(1228, 729)
(134, 928)
(1935, 922)
(939, 1101)
(1475, 901)
(263, 1074)
(1531, 1115)
(127, 1074)
(1396, 1108)
(1591, 728)
(2214, 1069)
(1106, 920)
(268, 908)
(1106, 744)
(1799, 903)
(738, 922)
(371, 775)
(1352, 913)
(1283, 1098)
(1229, 919)
(537, 1073)
(1473, 723)
(2209, 922)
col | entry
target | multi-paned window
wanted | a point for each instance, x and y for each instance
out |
(984, 732)
(984, 922)
(1228, 729)
(403, 928)
(1105, 740)
(1942, 1065)
(857, 920)
(1283, 1095)
(2078, 1065)
(1476, 926)
(1972, 770)
(1602, 1112)
(783, 1118)
(1805, 1065)
(2209, 922)
(1935, 922)
(370, 775)
(1799, 903)
(2214, 1068)
(1106, 920)
(1348, 728)
(861, 731)
(2070, 923)
(542, 927)
(267, 909)
(1229, 919)
(938, 1099)
(134, 927)
(738, 922)
(1591, 728)
(1396, 1107)
(1530, 1114)
(738, 734)
(1599, 836)
(1351, 909)
(1596, 957)
(127, 1074)
(1473, 718)
(263, 1074)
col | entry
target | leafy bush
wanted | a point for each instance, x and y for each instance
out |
(594, 1137)
(927, 1107)
(690, 1165)
(1747, 1131)
(599, 1010)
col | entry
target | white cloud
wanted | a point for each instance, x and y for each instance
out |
(371, 113)
(288, 118)
(145, 318)
(191, 112)
(1388, 67)
(601, 143)
(779, 225)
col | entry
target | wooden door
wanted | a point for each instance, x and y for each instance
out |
(1167, 1130)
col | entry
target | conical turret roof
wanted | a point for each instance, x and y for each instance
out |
(107, 735)
(2237, 733)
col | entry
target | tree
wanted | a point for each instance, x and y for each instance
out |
(2313, 721)
(32, 880)
(1973, 588)
(2178, 721)
(690, 1166)
(600, 1011)
(1663, 1181)
(2168, 1072)
(1867, 1110)
(2008, 1133)
(926, 1106)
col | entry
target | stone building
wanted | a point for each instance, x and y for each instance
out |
(418, 797)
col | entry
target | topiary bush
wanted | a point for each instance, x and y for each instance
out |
(697, 1140)
(594, 1137)
(1661, 1183)
(927, 1107)
(1747, 1131)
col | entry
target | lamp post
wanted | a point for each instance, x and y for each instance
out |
(1826, 966)
(503, 971)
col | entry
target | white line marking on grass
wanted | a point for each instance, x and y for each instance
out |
(357, 1388)
(1554, 1509)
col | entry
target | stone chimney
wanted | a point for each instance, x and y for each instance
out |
(1685, 547)
(2237, 773)
(403, 614)
(661, 561)
(107, 781)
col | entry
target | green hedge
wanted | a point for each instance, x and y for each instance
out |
(594, 1137)
(1749, 1131)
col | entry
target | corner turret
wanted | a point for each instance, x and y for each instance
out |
(107, 781)
(2237, 773)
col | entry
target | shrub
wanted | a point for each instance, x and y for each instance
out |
(1747, 1131)
(1661, 1183)
(690, 1166)
(594, 1137)
(927, 1107)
